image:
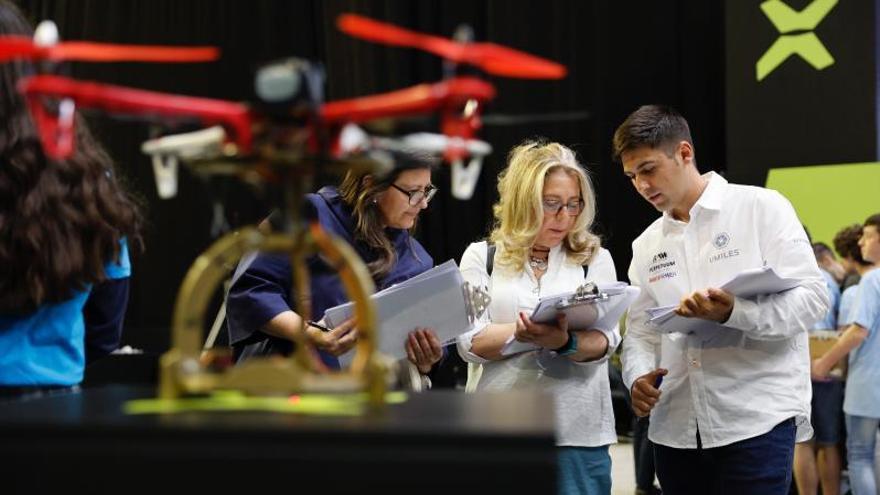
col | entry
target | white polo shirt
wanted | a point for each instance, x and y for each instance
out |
(736, 381)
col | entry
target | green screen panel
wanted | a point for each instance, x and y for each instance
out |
(829, 197)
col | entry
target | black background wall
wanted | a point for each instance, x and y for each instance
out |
(620, 55)
(798, 115)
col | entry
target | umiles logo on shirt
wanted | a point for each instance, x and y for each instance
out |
(720, 242)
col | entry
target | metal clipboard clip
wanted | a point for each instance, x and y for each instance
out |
(476, 301)
(588, 293)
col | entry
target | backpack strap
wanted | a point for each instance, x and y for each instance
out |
(490, 257)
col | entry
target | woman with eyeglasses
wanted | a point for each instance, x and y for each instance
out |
(541, 245)
(376, 215)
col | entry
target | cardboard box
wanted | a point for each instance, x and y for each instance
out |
(820, 342)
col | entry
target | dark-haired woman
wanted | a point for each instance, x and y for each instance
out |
(64, 232)
(375, 215)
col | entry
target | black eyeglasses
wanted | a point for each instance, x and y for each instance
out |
(552, 206)
(419, 195)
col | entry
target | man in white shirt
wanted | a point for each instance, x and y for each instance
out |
(735, 392)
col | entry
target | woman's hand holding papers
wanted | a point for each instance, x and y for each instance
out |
(587, 345)
(542, 334)
(708, 304)
(423, 349)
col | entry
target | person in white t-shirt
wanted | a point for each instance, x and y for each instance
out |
(543, 246)
(735, 393)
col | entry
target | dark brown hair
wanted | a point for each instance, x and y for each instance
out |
(846, 243)
(654, 126)
(60, 221)
(874, 221)
(361, 195)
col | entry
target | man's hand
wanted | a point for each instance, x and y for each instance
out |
(547, 336)
(819, 370)
(423, 349)
(337, 341)
(644, 393)
(709, 304)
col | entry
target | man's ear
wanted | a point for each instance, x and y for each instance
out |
(685, 152)
(366, 181)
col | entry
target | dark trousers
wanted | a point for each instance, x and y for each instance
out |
(643, 454)
(756, 466)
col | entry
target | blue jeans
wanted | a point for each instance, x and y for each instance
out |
(755, 466)
(861, 434)
(584, 470)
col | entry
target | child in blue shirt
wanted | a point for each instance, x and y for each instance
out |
(861, 340)
(65, 226)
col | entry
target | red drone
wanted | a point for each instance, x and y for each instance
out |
(289, 94)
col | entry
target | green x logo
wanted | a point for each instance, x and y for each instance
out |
(806, 45)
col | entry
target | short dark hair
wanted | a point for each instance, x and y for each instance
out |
(655, 126)
(846, 243)
(873, 221)
(820, 248)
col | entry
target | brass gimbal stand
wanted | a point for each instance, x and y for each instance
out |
(183, 373)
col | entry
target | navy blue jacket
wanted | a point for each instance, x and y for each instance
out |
(263, 290)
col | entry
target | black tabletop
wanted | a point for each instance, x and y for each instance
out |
(436, 440)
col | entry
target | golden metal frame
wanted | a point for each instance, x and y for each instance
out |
(183, 373)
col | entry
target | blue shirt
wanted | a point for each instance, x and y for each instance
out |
(862, 384)
(847, 301)
(829, 321)
(262, 291)
(47, 347)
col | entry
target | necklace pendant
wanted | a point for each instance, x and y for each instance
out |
(538, 264)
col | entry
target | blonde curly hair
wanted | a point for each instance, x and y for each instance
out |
(519, 212)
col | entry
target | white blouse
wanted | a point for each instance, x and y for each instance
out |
(584, 413)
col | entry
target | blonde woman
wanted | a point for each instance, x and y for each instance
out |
(543, 246)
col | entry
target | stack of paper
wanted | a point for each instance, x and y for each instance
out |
(748, 283)
(433, 299)
(603, 313)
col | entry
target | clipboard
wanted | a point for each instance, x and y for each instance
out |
(580, 306)
(589, 306)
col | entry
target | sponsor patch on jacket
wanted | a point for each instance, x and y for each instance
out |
(661, 266)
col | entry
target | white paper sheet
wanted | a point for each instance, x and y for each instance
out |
(433, 299)
(748, 283)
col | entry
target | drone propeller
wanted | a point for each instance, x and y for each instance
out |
(57, 128)
(423, 98)
(22, 47)
(490, 57)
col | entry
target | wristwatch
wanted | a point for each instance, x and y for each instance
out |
(570, 347)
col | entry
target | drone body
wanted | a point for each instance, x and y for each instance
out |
(290, 117)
